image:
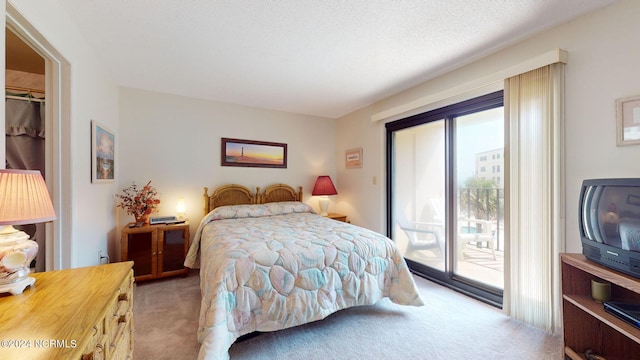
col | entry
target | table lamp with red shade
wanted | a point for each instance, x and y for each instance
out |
(323, 188)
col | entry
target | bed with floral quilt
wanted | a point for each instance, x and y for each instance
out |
(266, 266)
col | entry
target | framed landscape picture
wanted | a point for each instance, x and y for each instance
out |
(251, 153)
(102, 153)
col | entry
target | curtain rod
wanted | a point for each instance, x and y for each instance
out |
(548, 58)
(29, 90)
(24, 98)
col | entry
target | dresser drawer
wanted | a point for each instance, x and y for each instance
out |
(119, 322)
(96, 335)
(124, 293)
(96, 349)
(121, 348)
(112, 336)
(121, 304)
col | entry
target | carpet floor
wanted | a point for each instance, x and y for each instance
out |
(449, 326)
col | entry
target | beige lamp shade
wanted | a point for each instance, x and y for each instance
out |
(180, 207)
(24, 198)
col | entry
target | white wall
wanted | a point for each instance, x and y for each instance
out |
(175, 142)
(93, 96)
(602, 67)
(602, 63)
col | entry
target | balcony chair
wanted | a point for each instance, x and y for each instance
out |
(422, 235)
(475, 230)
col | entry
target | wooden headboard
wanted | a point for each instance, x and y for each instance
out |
(279, 192)
(234, 194)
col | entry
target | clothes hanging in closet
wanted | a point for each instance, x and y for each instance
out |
(25, 149)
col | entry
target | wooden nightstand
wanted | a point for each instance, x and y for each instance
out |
(156, 250)
(338, 217)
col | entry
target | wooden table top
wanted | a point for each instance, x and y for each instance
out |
(54, 318)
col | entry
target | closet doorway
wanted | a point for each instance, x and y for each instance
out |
(58, 155)
(25, 134)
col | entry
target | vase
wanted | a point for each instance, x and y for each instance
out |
(144, 218)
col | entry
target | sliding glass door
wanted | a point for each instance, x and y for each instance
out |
(478, 197)
(446, 170)
(419, 193)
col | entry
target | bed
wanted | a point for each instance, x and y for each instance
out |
(268, 262)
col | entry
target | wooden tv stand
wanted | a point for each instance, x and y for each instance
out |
(586, 324)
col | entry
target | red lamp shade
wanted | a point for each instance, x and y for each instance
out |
(324, 186)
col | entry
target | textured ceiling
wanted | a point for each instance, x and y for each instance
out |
(316, 57)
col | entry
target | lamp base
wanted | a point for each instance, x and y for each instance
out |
(16, 254)
(17, 287)
(324, 205)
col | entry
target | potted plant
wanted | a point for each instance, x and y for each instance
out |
(139, 202)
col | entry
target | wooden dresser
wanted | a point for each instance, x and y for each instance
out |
(586, 324)
(84, 313)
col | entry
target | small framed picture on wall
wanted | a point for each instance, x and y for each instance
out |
(353, 158)
(103, 148)
(628, 121)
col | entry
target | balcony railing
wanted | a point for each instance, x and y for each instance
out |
(485, 204)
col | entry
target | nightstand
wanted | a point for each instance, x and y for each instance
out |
(156, 250)
(338, 217)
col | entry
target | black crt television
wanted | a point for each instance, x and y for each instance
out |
(610, 223)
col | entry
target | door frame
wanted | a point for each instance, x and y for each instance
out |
(58, 143)
(447, 278)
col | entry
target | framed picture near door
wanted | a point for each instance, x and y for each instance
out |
(628, 121)
(353, 158)
(103, 148)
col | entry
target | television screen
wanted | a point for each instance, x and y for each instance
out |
(610, 223)
(612, 215)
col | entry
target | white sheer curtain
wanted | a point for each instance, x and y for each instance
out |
(534, 108)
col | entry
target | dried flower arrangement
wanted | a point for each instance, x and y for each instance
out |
(139, 202)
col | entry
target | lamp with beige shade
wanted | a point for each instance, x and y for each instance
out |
(24, 199)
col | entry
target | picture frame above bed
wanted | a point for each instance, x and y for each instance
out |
(252, 153)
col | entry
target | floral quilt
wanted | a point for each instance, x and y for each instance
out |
(273, 266)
